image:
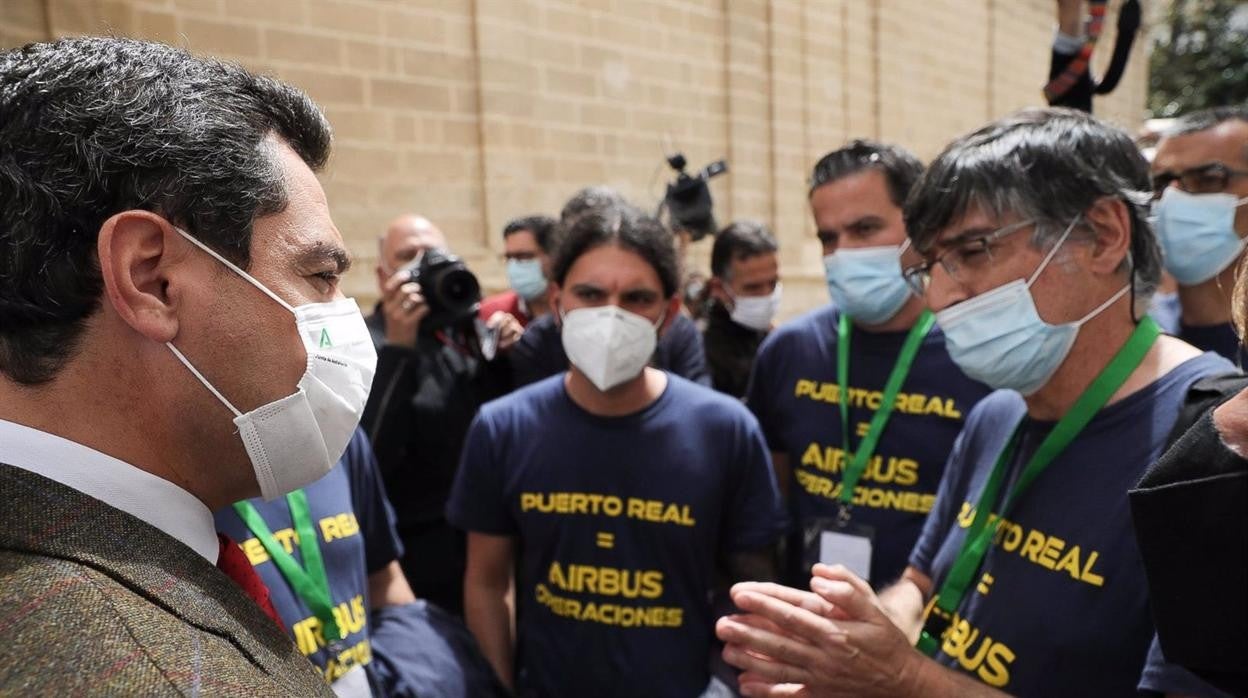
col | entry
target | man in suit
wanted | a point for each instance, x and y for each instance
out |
(172, 339)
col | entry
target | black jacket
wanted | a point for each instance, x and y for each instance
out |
(1190, 511)
(730, 351)
(418, 412)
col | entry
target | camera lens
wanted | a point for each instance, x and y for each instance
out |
(459, 288)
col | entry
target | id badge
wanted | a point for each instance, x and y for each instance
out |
(837, 542)
(353, 684)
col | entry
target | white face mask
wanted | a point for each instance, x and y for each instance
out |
(608, 344)
(295, 441)
(756, 312)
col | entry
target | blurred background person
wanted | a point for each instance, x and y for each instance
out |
(527, 246)
(432, 375)
(1200, 179)
(1070, 67)
(745, 290)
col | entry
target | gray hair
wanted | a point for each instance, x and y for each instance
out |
(1047, 165)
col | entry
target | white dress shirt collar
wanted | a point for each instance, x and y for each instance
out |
(118, 484)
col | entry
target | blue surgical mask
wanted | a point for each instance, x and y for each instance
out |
(526, 278)
(1197, 233)
(999, 338)
(866, 283)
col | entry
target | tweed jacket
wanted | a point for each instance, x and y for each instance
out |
(94, 601)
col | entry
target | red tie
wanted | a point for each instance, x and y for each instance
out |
(234, 563)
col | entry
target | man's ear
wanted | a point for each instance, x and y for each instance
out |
(1111, 219)
(382, 277)
(134, 250)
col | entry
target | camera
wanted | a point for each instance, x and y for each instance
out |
(689, 199)
(452, 292)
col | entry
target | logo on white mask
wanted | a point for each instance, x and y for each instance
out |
(295, 441)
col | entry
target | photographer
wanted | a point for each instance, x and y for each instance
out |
(432, 375)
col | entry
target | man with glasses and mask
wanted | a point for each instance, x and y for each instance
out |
(860, 471)
(613, 491)
(1038, 262)
(1200, 181)
(527, 244)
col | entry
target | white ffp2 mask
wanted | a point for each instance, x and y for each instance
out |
(295, 441)
(756, 312)
(608, 344)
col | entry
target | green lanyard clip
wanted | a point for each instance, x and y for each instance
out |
(309, 582)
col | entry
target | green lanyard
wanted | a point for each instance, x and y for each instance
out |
(312, 584)
(980, 534)
(858, 464)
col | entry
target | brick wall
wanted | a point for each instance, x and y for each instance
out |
(475, 111)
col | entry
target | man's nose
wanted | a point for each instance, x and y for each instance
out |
(943, 291)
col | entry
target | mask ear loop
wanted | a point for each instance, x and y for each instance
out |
(234, 268)
(1135, 320)
(1052, 253)
(203, 380)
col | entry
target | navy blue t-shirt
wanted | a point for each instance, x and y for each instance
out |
(355, 527)
(1216, 338)
(1061, 604)
(794, 394)
(1163, 678)
(618, 522)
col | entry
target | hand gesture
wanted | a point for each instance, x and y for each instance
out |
(836, 641)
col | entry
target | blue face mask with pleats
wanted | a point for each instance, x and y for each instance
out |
(867, 283)
(999, 338)
(1197, 233)
(526, 278)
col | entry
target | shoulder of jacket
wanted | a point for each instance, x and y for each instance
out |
(45, 591)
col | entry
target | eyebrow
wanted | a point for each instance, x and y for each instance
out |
(584, 287)
(865, 220)
(1193, 168)
(966, 236)
(321, 253)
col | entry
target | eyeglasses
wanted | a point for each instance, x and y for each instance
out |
(1203, 179)
(970, 256)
